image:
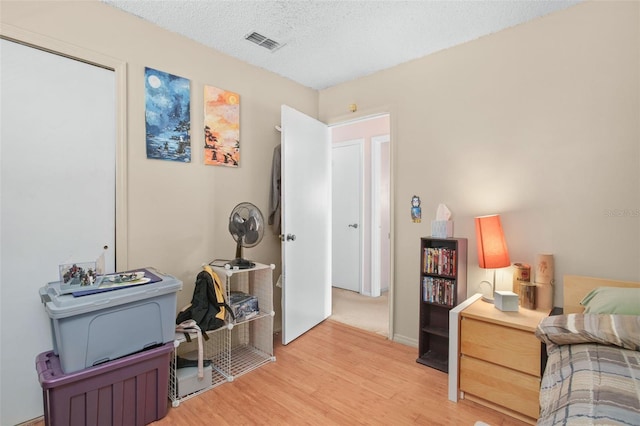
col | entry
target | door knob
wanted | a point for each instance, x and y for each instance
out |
(291, 237)
(353, 225)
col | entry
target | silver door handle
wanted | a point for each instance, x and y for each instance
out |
(353, 225)
(291, 237)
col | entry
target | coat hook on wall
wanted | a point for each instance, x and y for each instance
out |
(353, 107)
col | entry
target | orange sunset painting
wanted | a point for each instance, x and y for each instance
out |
(221, 127)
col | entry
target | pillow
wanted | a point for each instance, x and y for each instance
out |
(614, 330)
(612, 300)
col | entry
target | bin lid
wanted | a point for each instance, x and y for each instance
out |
(51, 376)
(59, 305)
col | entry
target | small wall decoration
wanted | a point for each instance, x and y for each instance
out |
(167, 116)
(221, 127)
(416, 211)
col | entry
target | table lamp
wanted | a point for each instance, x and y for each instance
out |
(492, 247)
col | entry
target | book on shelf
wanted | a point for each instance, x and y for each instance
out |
(438, 290)
(440, 261)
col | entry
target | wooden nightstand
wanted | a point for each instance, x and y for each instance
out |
(501, 359)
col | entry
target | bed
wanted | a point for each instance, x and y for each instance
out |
(592, 375)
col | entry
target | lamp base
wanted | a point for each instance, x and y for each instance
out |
(488, 299)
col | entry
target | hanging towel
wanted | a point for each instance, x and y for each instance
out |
(274, 192)
(190, 326)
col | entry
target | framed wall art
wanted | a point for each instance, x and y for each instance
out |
(167, 116)
(221, 127)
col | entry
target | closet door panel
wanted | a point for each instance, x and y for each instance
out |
(57, 190)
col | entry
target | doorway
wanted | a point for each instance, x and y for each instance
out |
(368, 306)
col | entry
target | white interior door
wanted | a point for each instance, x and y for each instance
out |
(58, 199)
(306, 223)
(346, 255)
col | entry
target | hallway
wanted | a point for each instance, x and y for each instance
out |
(364, 312)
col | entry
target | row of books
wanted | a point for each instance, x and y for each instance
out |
(438, 290)
(439, 260)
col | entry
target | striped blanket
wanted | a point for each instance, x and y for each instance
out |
(592, 375)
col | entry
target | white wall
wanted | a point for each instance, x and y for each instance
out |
(540, 123)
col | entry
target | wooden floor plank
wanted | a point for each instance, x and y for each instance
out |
(335, 375)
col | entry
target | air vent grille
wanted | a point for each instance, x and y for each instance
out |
(263, 41)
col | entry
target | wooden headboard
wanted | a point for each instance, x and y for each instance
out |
(577, 287)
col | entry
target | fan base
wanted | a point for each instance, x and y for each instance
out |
(241, 263)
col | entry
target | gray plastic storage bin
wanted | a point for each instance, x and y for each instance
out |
(188, 381)
(97, 328)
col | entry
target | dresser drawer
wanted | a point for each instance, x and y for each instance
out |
(506, 346)
(502, 386)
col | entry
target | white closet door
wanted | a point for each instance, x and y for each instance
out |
(57, 190)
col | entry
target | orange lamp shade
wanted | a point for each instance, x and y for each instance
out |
(492, 247)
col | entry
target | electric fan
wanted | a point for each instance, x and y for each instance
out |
(246, 225)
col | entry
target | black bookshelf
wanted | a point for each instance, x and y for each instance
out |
(443, 285)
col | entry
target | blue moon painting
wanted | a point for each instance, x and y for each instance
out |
(167, 116)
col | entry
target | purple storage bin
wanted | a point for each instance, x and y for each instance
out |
(132, 390)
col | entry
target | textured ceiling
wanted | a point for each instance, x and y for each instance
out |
(329, 42)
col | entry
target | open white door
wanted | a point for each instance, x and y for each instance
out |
(306, 223)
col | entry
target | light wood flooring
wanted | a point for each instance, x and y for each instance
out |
(335, 375)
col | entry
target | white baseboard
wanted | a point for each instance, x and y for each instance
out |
(405, 340)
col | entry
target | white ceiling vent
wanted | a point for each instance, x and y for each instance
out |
(263, 41)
